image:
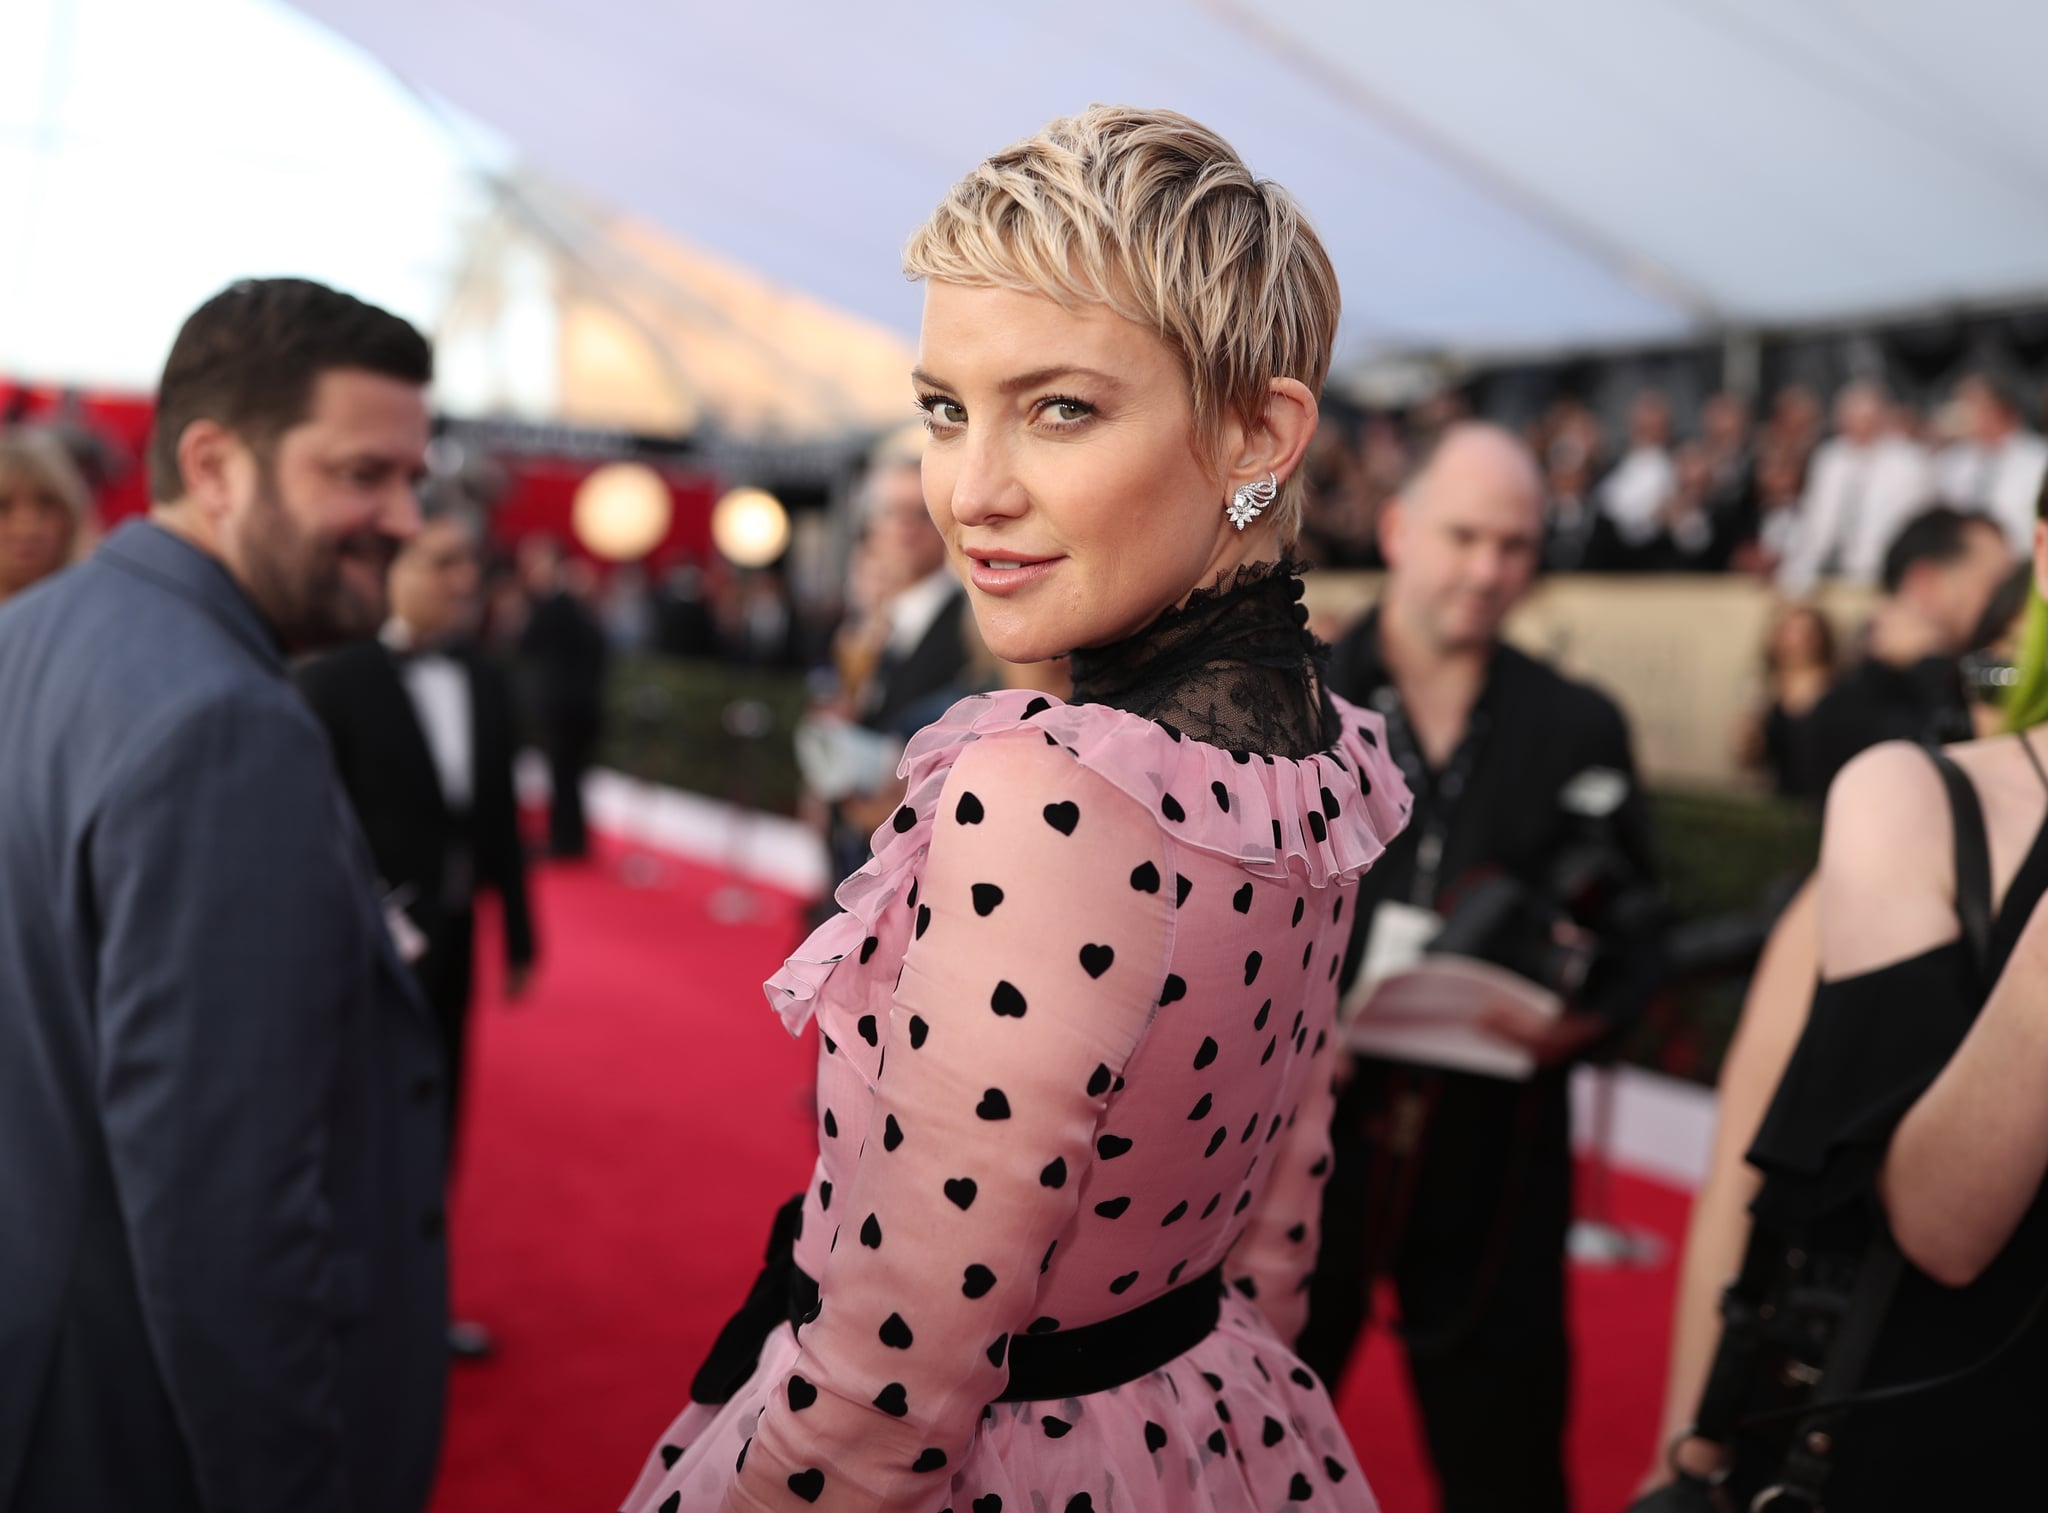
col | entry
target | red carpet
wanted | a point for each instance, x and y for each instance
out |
(632, 1127)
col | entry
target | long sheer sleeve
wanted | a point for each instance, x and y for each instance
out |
(1273, 1263)
(1034, 969)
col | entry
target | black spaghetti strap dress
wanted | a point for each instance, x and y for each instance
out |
(1874, 1044)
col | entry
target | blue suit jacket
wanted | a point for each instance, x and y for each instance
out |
(222, 1276)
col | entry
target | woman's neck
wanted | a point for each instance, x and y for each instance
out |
(1232, 665)
(1258, 547)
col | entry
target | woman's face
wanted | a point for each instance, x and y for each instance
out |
(35, 533)
(1799, 640)
(1062, 470)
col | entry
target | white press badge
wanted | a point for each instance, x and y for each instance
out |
(1595, 793)
(406, 938)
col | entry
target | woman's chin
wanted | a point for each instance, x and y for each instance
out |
(1019, 639)
(1022, 651)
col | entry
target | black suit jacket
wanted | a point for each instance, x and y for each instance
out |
(563, 652)
(932, 666)
(389, 772)
(1874, 702)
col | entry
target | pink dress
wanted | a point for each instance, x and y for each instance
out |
(1075, 1050)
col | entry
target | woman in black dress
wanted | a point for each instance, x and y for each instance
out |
(1799, 667)
(1921, 1086)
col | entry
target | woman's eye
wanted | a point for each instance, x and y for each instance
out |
(945, 412)
(1065, 412)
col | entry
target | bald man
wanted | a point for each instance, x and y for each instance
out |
(1456, 1185)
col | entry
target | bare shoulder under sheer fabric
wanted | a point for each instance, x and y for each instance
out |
(1074, 1085)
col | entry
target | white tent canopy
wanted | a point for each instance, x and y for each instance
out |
(1492, 176)
(150, 153)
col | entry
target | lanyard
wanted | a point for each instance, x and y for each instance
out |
(1437, 794)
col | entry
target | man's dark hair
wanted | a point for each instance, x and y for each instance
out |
(248, 358)
(1938, 535)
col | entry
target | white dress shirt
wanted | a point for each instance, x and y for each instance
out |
(912, 612)
(1635, 493)
(439, 688)
(1858, 498)
(2003, 482)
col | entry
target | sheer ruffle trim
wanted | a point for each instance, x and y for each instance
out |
(1325, 818)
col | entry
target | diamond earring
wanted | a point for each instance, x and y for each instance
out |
(1250, 499)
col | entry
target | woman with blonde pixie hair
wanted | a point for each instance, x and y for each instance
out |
(1076, 1023)
(43, 504)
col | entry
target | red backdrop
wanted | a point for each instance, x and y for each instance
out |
(539, 497)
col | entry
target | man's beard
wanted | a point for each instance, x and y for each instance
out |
(297, 579)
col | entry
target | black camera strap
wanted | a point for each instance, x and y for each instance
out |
(1437, 793)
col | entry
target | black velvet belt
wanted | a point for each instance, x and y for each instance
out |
(1060, 1364)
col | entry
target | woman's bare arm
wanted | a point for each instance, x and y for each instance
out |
(1968, 1159)
(1773, 1015)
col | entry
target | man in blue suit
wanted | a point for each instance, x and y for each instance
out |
(222, 1276)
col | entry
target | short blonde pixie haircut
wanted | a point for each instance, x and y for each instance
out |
(1157, 217)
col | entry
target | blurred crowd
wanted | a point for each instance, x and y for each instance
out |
(1931, 660)
(1797, 492)
(1922, 511)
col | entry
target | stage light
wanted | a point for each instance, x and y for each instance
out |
(750, 527)
(622, 511)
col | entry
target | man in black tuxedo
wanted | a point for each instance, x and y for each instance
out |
(923, 664)
(565, 657)
(424, 735)
(925, 654)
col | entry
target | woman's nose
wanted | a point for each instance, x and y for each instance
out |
(983, 483)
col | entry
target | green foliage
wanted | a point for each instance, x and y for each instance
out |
(1718, 854)
(668, 721)
(2027, 706)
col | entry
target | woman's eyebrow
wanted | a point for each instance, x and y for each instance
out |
(1031, 380)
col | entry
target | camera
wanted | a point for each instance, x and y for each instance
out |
(1535, 931)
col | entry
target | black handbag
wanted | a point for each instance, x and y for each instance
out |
(1801, 1318)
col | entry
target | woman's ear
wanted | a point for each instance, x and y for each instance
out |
(1277, 444)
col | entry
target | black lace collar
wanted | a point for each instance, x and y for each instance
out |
(1233, 667)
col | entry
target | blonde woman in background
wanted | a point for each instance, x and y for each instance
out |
(44, 503)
